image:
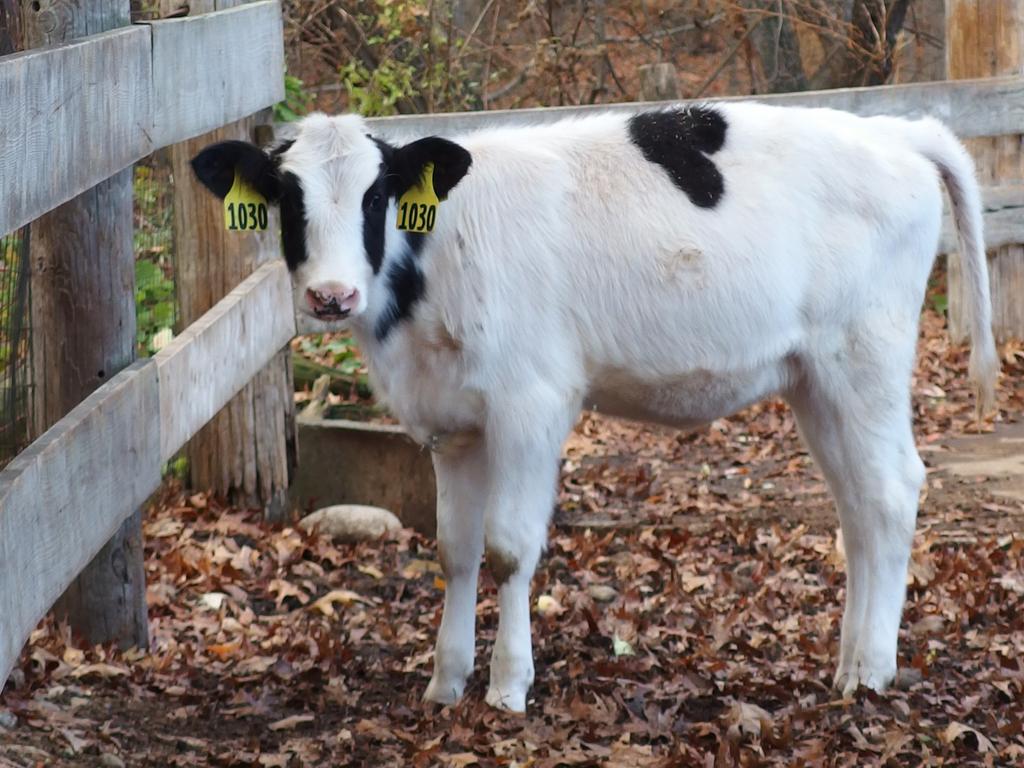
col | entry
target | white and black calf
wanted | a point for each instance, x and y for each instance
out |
(674, 266)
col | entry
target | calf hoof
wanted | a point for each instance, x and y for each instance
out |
(444, 689)
(507, 698)
(858, 674)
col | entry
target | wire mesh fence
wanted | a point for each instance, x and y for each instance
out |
(155, 304)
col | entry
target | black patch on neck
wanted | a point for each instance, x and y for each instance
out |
(406, 286)
(679, 140)
(415, 241)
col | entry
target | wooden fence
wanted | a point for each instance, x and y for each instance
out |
(75, 115)
(63, 497)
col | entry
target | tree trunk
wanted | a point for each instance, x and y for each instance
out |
(986, 39)
(659, 82)
(83, 332)
(777, 46)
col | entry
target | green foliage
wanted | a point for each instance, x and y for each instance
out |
(155, 306)
(936, 295)
(334, 355)
(297, 100)
(341, 349)
(176, 468)
(154, 303)
(406, 63)
(378, 92)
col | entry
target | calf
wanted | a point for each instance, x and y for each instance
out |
(672, 266)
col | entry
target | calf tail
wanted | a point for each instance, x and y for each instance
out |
(937, 143)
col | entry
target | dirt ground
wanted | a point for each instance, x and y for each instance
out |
(687, 613)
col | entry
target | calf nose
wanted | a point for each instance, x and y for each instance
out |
(331, 299)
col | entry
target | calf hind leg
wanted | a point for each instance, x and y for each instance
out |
(858, 430)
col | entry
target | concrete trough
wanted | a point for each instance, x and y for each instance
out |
(353, 462)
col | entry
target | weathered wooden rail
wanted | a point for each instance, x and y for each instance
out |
(63, 497)
(971, 108)
(76, 114)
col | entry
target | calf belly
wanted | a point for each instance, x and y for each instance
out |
(686, 400)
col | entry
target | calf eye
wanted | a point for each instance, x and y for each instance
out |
(374, 201)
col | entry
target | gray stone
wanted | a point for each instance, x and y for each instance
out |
(349, 523)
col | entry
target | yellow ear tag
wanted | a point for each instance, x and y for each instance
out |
(245, 209)
(417, 208)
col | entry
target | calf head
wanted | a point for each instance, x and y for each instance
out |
(337, 188)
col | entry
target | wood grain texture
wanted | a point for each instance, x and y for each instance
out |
(72, 117)
(216, 356)
(987, 107)
(78, 485)
(10, 27)
(83, 332)
(986, 39)
(1003, 213)
(212, 69)
(83, 301)
(243, 452)
(68, 493)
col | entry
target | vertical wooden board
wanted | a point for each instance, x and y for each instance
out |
(64, 497)
(83, 302)
(212, 69)
(986, 39)
(226, 455)
(73, 116)
(219, 353)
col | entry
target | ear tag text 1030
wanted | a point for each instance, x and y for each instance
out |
(417, 208)
(245, 209)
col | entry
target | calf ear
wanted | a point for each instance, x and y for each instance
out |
(216, 166)
(450, 163)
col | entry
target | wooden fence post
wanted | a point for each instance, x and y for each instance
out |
(985, 38)
(247, 451)
(659, 82)
(83, 331)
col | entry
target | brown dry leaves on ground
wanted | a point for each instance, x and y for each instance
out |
(711, 557)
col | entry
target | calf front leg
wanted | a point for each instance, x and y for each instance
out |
(462, 485)
(524, 451)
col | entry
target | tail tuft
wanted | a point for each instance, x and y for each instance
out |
(934, 141)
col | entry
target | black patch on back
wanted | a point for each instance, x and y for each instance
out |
(406, 286)
(680, 140)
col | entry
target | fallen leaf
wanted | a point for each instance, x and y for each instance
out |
(288, 723)
(326, 603)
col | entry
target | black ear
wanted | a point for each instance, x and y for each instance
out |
(215, 167)
(450, 164)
